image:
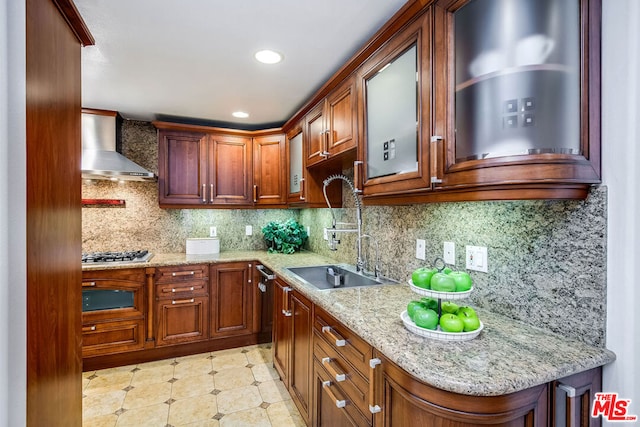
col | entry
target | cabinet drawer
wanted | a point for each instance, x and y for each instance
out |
(112, 337)
(182, 289)
(332, 405)
(354, 385)
(351, 347)
(181, 273)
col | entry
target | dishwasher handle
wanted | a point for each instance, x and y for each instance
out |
(265, 273)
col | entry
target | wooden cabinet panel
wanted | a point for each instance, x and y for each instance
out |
(301, 352)
(331, 407)
(230, 171)
(182, 320)
(269, 172)
(112, 337)
(232, 307)
(114, 330)
(342, 118)
(354, 349)
(182, 168)
(406, 177)
(315, 136)
(182, 273)
(310, 181)
(281, 329)
(408, 402)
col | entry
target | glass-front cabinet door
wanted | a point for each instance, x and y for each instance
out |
(517, 96)
(396, 107)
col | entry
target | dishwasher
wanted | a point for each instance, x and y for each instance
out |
(265, 285)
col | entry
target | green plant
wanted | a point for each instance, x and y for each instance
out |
(286, 237)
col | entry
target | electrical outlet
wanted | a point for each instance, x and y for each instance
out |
(248, 230)
(213, 231)
(476, 258)
(450, 253)
(325, 234)
(420, 249)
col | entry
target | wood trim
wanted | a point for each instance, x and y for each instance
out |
(53, 219)
(210, 129)
(71, 14)
(401, 18)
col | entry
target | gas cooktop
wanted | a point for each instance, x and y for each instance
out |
(116, 258)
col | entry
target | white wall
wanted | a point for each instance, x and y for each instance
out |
(621, 173)
(13, 381)
(4, 279)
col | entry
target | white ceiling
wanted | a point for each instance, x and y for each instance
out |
(193, 59)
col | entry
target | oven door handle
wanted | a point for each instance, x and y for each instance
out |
(268, 276)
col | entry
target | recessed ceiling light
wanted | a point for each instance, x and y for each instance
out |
(240, 114)
(268, 56)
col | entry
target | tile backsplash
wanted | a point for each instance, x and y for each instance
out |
(547, 259)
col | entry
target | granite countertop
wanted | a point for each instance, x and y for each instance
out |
(506, 357)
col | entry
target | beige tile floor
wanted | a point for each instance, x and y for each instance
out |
(237, 387)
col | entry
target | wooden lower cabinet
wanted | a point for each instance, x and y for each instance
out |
(232, 299)
(182, 320)
(292, 344)
(331, 405)
(301, 352)
(118, 325)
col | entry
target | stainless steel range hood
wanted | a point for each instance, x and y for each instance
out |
(100, 146)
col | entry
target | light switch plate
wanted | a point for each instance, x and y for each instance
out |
(420, 249)
(476, 258)
(450, 253)
(249, 230)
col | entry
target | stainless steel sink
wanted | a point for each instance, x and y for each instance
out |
(336, 277)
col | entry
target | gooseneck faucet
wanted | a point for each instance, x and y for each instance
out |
(333, 241)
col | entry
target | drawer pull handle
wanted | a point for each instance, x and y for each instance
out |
(89, 328)
(340, 342)
(182, 301)
(191, 288)
(326, 361)
(287, 313)
(373, 408)
(204, 193)
(339, 403)
(183, 273)
(87, 284)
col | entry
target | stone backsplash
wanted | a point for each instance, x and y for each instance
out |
(547, 259)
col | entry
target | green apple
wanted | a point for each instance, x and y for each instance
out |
(431, 303)
(421, 277)
(449, 307)
(414, 306)
(443, 282)
(468, 311)
(470, 321)
(447, 270)
(427, 319)
(462, 280)
(451, 323)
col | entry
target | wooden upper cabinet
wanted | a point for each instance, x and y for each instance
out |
(230, 172)
(516, 117)
(204, 167)
(395, 106)
(304, 186)
(341, 118)
(330, 128)
(269, 174)
(182, 168)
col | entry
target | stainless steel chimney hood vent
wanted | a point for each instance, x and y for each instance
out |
(100, 146)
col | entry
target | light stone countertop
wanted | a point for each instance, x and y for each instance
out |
(506, 357)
